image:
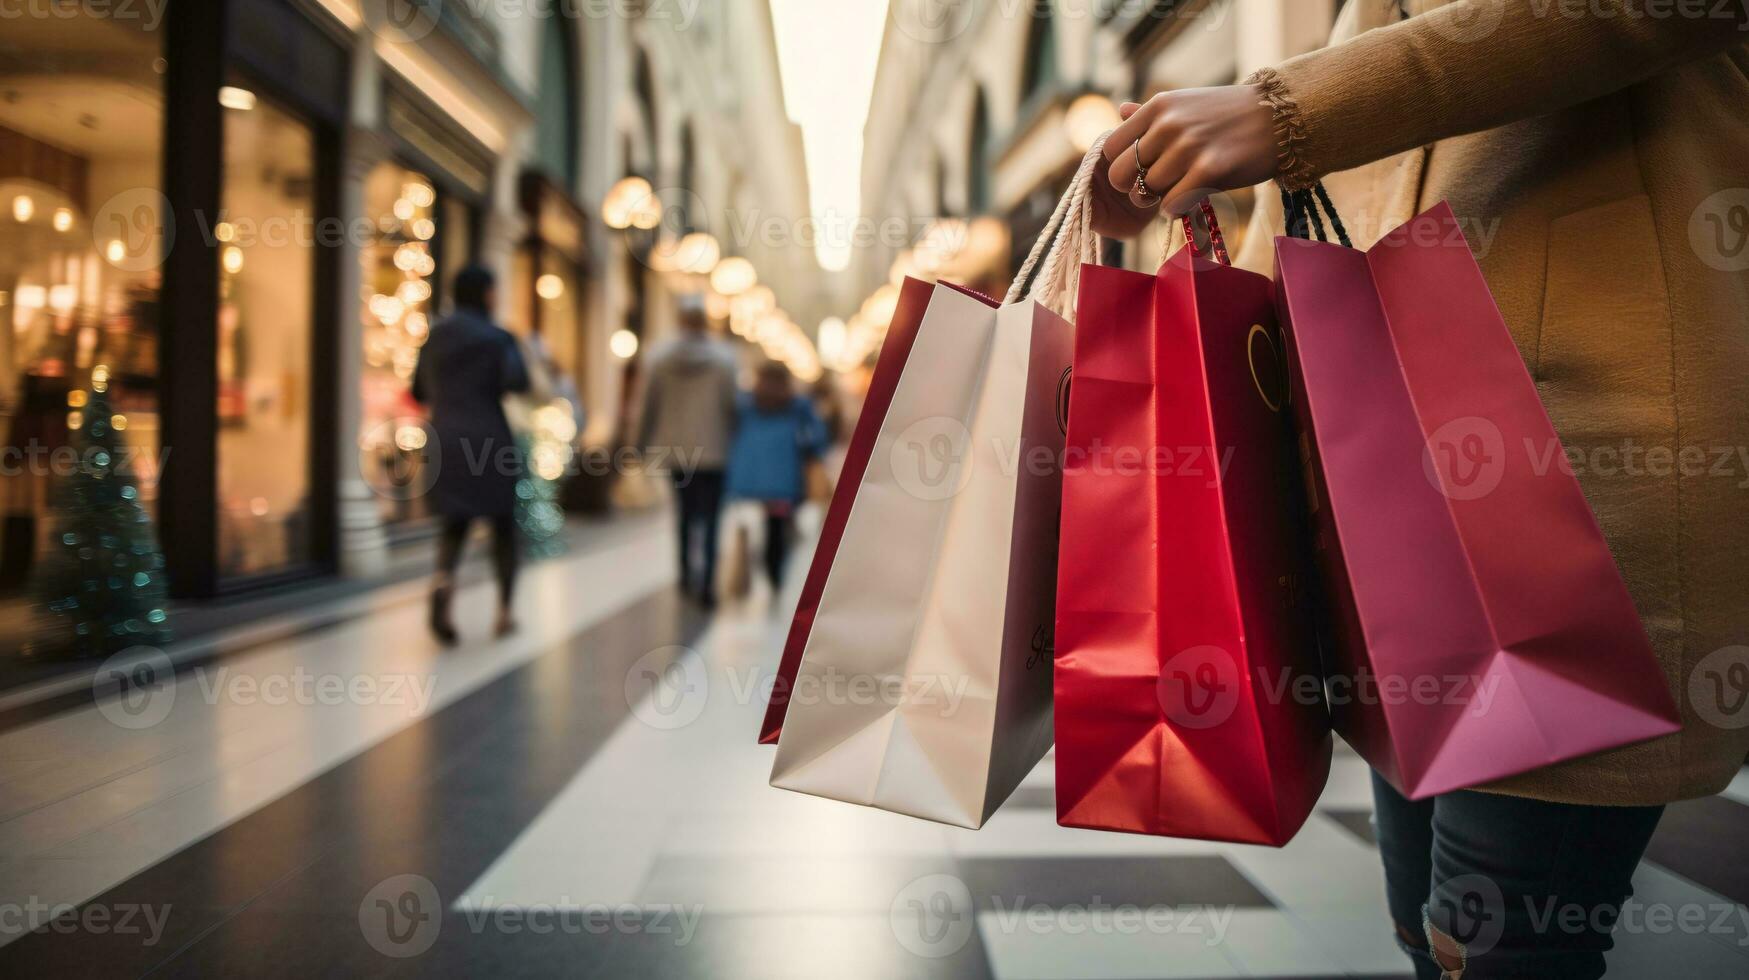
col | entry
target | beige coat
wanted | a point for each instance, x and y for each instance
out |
(1599, 160)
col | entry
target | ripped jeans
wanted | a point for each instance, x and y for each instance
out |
(1512, 887)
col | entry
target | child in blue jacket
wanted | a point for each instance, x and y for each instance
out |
(777, 437)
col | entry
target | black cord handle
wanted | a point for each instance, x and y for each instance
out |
(1306, 211)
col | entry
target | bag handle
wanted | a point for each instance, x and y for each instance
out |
(1067, 241)
(1301, 209)
(1217, 241)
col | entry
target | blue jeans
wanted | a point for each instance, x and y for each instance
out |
(1510, 887)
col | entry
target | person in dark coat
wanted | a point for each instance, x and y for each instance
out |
(467, 366)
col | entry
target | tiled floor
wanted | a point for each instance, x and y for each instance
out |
(553, 810)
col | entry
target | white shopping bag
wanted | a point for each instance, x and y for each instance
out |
(925, 686)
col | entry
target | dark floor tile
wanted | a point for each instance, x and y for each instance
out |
(1707, 842)
(1033, 798)
(1144, 882)
(435, 799)
(1356, 822)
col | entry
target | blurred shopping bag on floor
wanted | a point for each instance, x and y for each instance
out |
(741, 520)
(925, 683)
(1480, 626)
(1187, 695)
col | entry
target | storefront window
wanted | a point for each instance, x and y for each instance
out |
(400, 278)
(558, 289)
(267, 290)
(81, 132)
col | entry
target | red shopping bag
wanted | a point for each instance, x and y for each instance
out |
(1479, 626)
(895, 350)
(1187, 702)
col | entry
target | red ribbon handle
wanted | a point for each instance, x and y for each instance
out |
(1216, 239)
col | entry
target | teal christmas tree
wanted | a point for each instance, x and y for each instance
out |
(104, 582)
(538, 514)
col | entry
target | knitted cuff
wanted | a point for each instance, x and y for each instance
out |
(1296, 172)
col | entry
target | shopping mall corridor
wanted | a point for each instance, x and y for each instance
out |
(586, 799)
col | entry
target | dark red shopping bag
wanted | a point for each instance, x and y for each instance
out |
(1187, 701)
(1480, 627)
(895, 351)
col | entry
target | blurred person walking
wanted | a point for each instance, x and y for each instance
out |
(1603, 154)
(687, 424)
(778, 436)
(466, 367)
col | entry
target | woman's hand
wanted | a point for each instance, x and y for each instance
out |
(1193, 142)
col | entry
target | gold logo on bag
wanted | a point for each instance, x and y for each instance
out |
(1277, 382)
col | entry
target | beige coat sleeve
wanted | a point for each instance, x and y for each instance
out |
(1472, 65)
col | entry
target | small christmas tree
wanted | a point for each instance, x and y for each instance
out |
(538, 514)
(104, 588)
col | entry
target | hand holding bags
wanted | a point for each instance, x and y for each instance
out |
(1187, 703)
(925, 683)
(1481, 628)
